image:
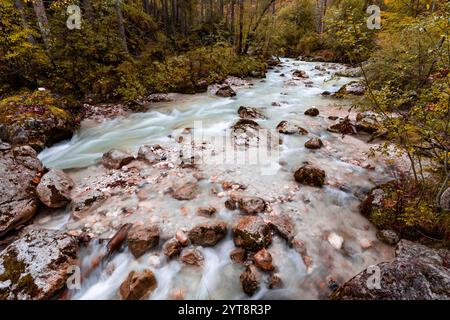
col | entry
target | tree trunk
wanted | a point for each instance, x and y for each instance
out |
(121, 26)
(251, 35)
(232, 22)
(39, 9)
(241, 26)
(19, 6)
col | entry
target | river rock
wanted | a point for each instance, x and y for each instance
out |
(252, 233)
(151, 154)
(250, 113)
(238, 255)
(208, 234)
(36, 266)
(138, 285)
(283, 225)
(353, 88)
(274, 281)
(273, 61)
(225, 91)
(116, 159)
(192, 257)
(247, 204)
(312, 112)
(367, 122)
(20, 170)
(141, 238)
(206, 211)
(344, 126)
(172, 248)
(300, 74)
(187, 191)
(54, 189)
(335, 240)
(416, 273)
(263, 260)
(245, 132)
(250, 280)
(314, 143)
(286, 127)
(182, 238)
(310, 175)
(388, 236)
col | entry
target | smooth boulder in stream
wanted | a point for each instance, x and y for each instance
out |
(310, 175)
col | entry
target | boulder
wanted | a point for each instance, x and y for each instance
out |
(208, 234)
(182, 238)
(273, 61)
(245, 132)
(252, 233)
(367, 122)
(300, 74)
(187, 191)
(286, 127)
(250, 280)
(238, 255)
(206, 211)
(20, 171)
(141, 238)
(151, 154)
(344, 126)
(388, 236)
(314, 143)
(312, 112)
(225, 91)
(247, 204)
(192, 257)
(172, 248)
(353, 88)
(36, 266)
(416, 273)
(310, 175)
(283, 225)
(54, 189)
(138, 285)
(263, 260)
(250, 113)
(274, 281)
(116, 159)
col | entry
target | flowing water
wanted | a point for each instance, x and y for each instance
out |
(316, 212)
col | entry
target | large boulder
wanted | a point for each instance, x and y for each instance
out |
(116, 159)
(252, 233)
(54, 188)
(208, 234)
(141, 238)
(138, 285)
(37, 119)
(250, 113)
(310, 175)
(225, 91)
(416, 273)
(20, 170)
(287, 127)
(36, 266)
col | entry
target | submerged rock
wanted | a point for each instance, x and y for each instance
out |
(140, 239)
(312, 112)
(250, 113)
(310, 175)
(54, 189)
(416, 273)
(138, 285)
(116, 159)
(36, 266)
(20, 170)
(192, 257)
(286, 127)
(208, 234)
(314, 143)
(250, 280)
(252, 233)
(225, 91)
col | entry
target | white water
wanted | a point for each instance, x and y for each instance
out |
(316, 212)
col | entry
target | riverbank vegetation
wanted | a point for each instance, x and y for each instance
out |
(126, 50)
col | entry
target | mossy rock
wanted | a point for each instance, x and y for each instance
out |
(38, 119)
